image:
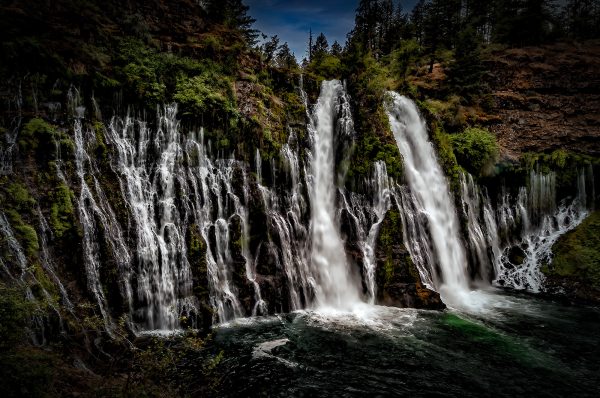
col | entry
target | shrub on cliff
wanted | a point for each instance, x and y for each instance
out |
(475, 149)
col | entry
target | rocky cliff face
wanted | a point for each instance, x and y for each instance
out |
(546, 98)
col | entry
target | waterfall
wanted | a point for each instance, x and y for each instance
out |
(367, 214)
(336, 284)
(14, 247)
(415, 232)
(149, 167)
(537, 222)
(429, 186)
(47, 262)
(482, 234)
(288, 230)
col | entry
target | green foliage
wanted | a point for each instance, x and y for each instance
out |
(33, 131)
(466, 71)
(449, 112)
(577, 253)
(475, 149)
(326, 67)
(404, 58)
(446, 155)
(101, 149)
(177, 365)
(397, 266)
(566, 164)
(157, 77)
(24, 233)
(27, 372)
(370, 149)
(145, 82)
(18, 194)
(205, 93)
(15, 312)
(61, 210)
(28, 236)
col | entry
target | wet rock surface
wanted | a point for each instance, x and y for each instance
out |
(398, 281)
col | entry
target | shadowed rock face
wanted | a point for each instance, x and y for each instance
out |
(546, 98)
(398, 281)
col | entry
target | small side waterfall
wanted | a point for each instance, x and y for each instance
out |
(367, 214)
(532, 225)
(482, 231)
(429, 186)
(336, 286)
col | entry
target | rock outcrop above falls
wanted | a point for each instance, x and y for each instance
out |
(546, 98)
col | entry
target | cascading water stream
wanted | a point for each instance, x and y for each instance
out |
(367, 214)
(430, 188)
(535, 222)
(336, 286)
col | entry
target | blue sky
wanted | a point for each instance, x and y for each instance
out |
(292, 19)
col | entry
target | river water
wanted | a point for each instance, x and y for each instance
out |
(511, 345)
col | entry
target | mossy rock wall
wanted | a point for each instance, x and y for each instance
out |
(397, 278)
(575, 268)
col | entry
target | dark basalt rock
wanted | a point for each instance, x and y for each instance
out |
(397, 278)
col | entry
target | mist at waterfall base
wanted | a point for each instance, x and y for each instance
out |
(522, 345)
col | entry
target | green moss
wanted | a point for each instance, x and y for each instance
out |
(475, 149)
(32, 132)
(15, 311)
(567, 166)
(19, 196)
(29, 238)
(395, 268)
(577, 253)
(101, 149)
(446, 155)
(24, 232)
(61, 210)
(197, 258)
(43, 282)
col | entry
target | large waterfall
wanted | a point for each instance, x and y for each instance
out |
(506, 245)
(430, 188)
(173, 234)
(336, 286)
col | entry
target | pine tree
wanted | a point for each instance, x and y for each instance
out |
(583, 19)
(336, 49)
(234, 14)
(417, 21)
(310, 45)
(269, 49)
(466, 71)
(320, 48)
(285, 58)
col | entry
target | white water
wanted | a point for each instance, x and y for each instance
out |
(367, 214)
(336, 286)
(430, 188)
(535, 222)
